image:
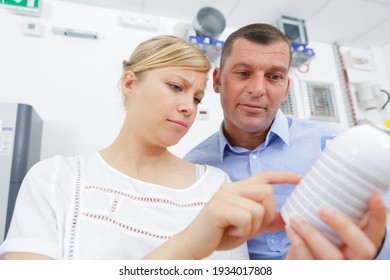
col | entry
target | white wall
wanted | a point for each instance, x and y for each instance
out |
(386, 56)
(73, 82)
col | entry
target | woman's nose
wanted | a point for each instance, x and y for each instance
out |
(187, 106)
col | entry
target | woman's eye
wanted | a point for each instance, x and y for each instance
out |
(176, 87)
(197, 100)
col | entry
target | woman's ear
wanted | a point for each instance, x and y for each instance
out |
(128, 82)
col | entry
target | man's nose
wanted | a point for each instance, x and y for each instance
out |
(256, 86)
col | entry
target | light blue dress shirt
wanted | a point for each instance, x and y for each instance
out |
(291, 145)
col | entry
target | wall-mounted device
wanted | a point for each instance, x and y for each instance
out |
(209, 22)
(20, 148)
(371, 96)
(321, 101)
(359, 60)
(75, 33)
(289, 107)
(30, 28)
(207, 26)
(294, 28)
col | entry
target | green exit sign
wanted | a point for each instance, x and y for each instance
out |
(28, 4)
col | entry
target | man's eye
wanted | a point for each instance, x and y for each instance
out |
(275, 77)
(243, 74)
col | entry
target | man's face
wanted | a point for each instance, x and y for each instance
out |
(252, 85)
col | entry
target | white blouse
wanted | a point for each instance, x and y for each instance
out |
(82, 208)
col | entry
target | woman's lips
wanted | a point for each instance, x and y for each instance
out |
(179, 124)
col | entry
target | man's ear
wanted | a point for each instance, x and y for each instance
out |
(286, 93)
(128, 82)
(216, 79)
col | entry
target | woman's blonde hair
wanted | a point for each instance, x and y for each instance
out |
(166, 51)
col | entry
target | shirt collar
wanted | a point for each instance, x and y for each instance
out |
(223, 142)
(279, 128)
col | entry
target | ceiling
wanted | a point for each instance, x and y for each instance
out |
(354, 23)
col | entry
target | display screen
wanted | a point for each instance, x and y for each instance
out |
(292, 32)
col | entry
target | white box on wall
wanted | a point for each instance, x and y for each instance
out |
(359, 60)
(30, 28)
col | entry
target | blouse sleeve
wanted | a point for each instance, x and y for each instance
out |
(33, 227)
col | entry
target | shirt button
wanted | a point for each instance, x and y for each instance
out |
(273, 241)
(254, 156)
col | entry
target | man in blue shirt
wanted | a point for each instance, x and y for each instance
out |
(256, 136)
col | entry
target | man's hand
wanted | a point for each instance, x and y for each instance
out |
(362, 241)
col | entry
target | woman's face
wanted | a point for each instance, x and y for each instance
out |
(162, 104)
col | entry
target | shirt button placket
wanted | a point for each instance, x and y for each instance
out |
(254, 163)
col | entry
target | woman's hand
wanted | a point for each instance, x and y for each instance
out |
(237, 212)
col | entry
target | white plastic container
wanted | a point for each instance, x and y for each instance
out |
(353, 166)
